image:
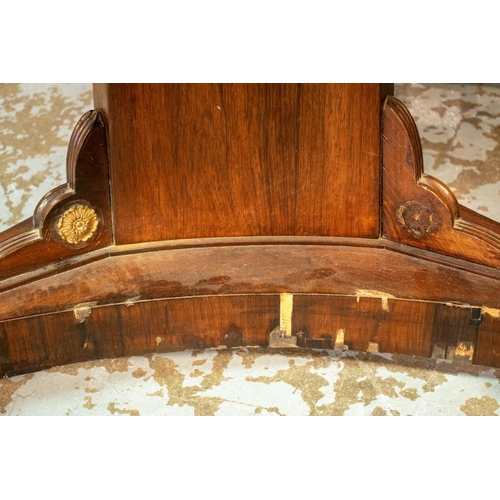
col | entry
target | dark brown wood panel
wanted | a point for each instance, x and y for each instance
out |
(321, 316)
(402, 327)
(178, 324)
(408, 328)
(488, 343)
(202, 160)
(40, 342)
(339, 160)
(207, 160)
(397, 326)
(453, 325)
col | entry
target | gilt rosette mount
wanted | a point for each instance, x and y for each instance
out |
(78, 224)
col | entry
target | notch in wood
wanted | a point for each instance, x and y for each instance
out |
(476, 316)
(339, 341)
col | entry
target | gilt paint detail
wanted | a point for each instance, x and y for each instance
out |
(78, 224)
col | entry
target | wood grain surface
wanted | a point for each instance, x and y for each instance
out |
(207, 160)
(488, 345)
(402, 327)
(127, 329)
(253, 269)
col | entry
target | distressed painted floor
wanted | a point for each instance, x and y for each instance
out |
(36, 122)
(460, 127)
(255, 381)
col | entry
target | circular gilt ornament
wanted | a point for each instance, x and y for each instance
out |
(78, 224)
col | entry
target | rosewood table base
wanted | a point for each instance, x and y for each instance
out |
(279, 215)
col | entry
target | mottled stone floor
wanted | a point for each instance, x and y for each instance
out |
(460, 128)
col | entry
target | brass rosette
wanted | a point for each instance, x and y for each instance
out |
(78, 224)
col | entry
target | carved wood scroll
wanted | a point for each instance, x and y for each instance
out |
(73, 218)
(418, 209)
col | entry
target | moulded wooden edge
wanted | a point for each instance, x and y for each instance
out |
(420, 210)
(59, 194)
(285, 242)
(254, 269)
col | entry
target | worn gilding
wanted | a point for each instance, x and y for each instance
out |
(78, 224)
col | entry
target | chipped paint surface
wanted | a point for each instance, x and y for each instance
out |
(256, 381)
(465, 350)
(81, 313)
(374, 294)
(36, 122)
